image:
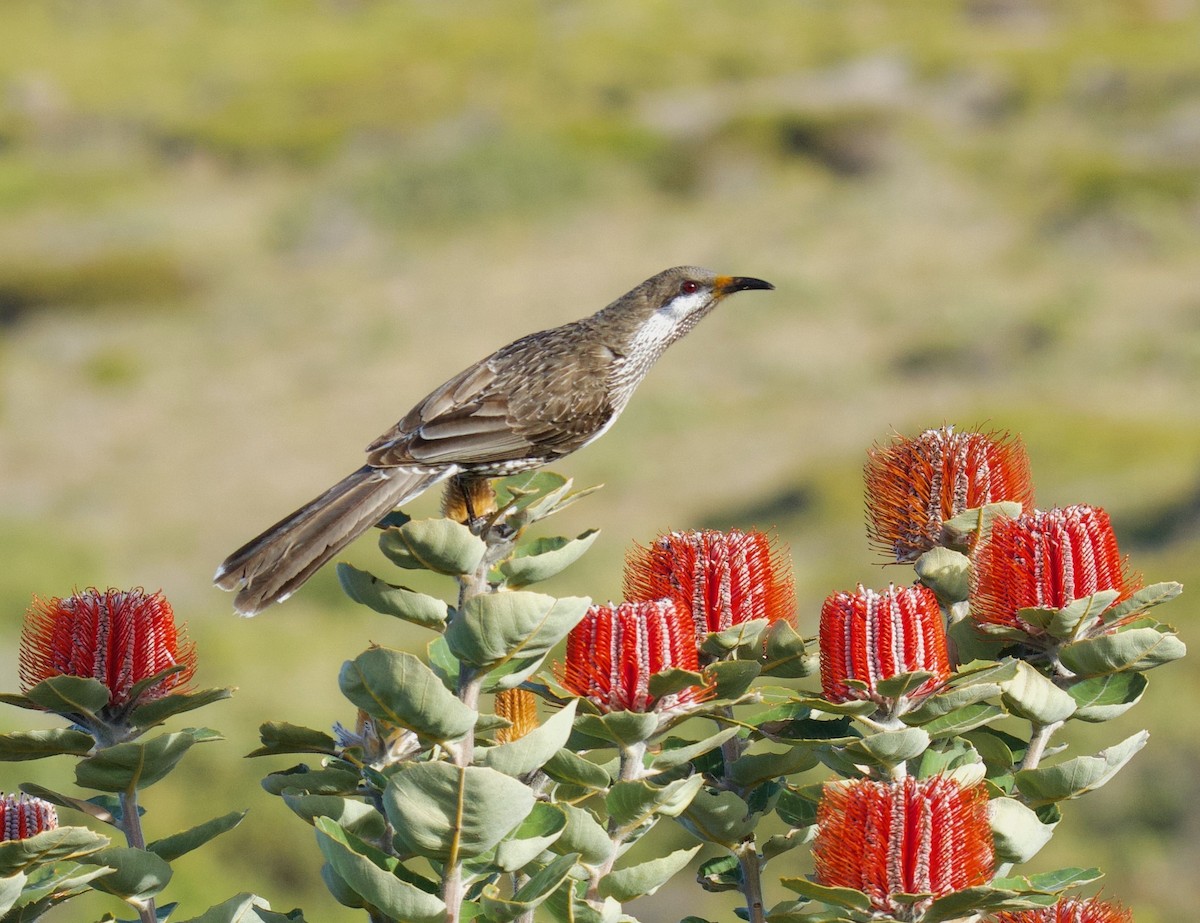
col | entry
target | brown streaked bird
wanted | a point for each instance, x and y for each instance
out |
(525, 405)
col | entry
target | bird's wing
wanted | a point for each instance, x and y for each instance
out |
(501, 410)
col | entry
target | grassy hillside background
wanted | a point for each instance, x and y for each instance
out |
(239, 239)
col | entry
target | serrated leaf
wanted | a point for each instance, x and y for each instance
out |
(397, 687)
(40, 743)
(137, 874)
(1035, 697)
(1143, 599)
(1102, 698)
(631, 804)
(439, 810)
(439, 545)
(138, 764)
(54, 845)
(530, 752)
(1136, 649)
(646, 877)
(370, 873)
(544, 558)
(1017, 831)
(495, 628)
(1078, 776)
(156, 711)
(387, 599)
(172, 847)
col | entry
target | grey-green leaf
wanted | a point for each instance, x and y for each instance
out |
(1034, 696)
(398, 601)
(70, 695)
(138, 874)
(646, 877)
(531, 752)
(397, 687)
(544, 558)
(1135, 649)
(439, 545)
(1102, 698)
(1078, 776)
(134, 765)
(1017, 831)
(54, 845)
(43, 742)
(497, 627)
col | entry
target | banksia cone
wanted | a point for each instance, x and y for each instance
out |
(719, 579)
(119, 637)
(519, 708)
(22, 816)
(1046, 559)
(914, 485)
(614, 651)
(1071, 910)
(871, 636)
(913, 836)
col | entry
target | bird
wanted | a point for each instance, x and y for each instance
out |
(526, 405)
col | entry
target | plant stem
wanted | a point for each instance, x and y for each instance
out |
(1038, 742)
(746, 851)
(632, 757)
(131, 823)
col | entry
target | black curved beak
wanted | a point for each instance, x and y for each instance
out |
(727, 285)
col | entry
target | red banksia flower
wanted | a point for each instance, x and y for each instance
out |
(719, 579)
(1046, 559)
(1071, 910)
(870, 636)
(22, 816)
(914, 836)
(914, 485)
(119, 637)
(614, 651)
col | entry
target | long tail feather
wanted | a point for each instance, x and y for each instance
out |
(272, 566)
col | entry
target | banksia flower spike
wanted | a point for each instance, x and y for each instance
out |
(869, 636)
(915, 485)
(912, 836)
(720, 579)
(22, 816)
(119, 637)
(1071, 910)
(614, 651)
(1046, 559)
(519, 708)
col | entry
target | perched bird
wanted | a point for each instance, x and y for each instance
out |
(525, 405)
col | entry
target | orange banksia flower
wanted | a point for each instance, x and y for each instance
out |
(871, 636)
(1071, 910)
(914, 485)
(1046, 559)
(719, 579)
(914, 836)
(519, 708)
(614, 651)
(22, 816)
(119, 637)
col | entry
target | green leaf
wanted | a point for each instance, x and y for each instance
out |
(797, 807)
(497, 627)
(1034, 696)
(1018, 832)
(531, 752)
(137, 876)
(398, 601)
(721, 873)
(439, 810)
(672, 681)
(348, 813)
(623, 728)
(980, 519)
(535, 891)
(964, 719)
(1143, 599)
(37, 744)
(685, 753)
(99, 811)
(732, 678)
(835, 897)
(946, 572)
(753, 769)
(314, 781)
(156, 711)
(70, 695)
(370, 873)
(891, 748)
(718, 817)
(397, 687)
(56, 845)
(1078, 776)
(246, 908)
(1136, 649)
(439, 545)
(972, 901)
(951, 700)
(280, 737)
(544, 558)
(584, 835)
(172, 847)
(570, 768)
(902, 683)
(138, 764)
(646, 877)
(785, 655)
(1102, 698)
(745, 635)
(1065, 623)
(533, 836)
(631, 804)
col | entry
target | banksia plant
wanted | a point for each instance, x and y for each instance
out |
(720, 579)
(867, 637)
(22, 816)
(616, 650)
(1047, 559)
(119, 637)
(908, 837)
(519, 708)
(1071, 910)
(916, 485)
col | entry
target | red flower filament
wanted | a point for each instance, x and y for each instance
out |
(869, 636)
(914, 485)
(926, 836)
(119, 637)
(720, 579)
(614, 651)
(22, 816)
(1071, 910)
(1046, 559)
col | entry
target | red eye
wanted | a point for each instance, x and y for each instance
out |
(689, 287)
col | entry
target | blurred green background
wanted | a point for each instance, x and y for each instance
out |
(240, 239)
